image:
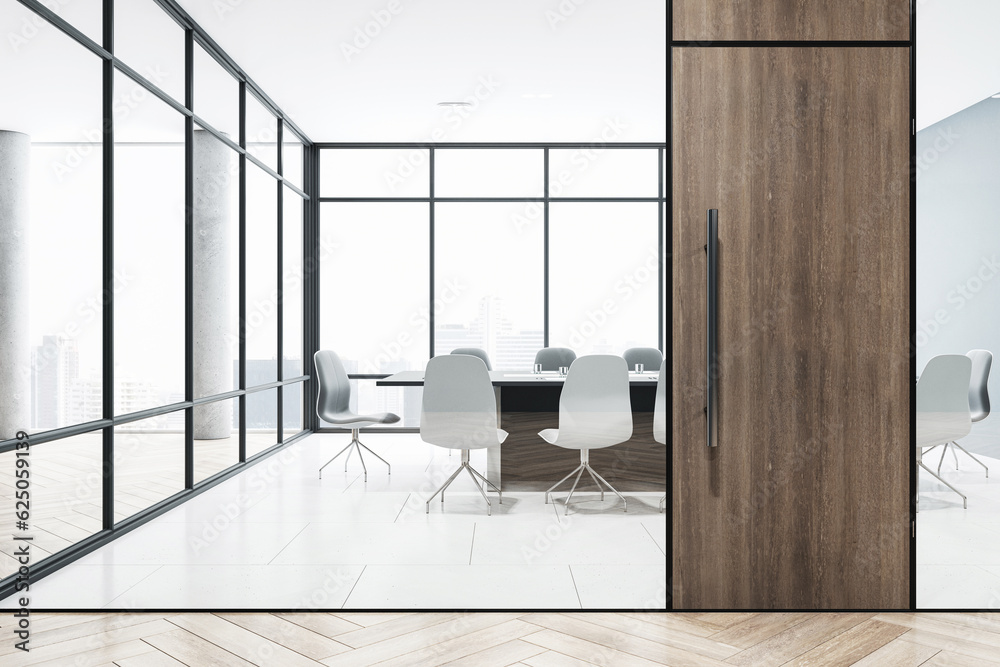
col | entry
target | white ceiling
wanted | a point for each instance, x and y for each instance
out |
(558, 70)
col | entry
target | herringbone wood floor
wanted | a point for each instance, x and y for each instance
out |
(501, 639)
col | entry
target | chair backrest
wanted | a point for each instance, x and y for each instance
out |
(660, 408)
(979, 395)
(475, 352)
(551, 358)
(943, 400)
(459, 409)
(334, 385)
(594, 406)
(649, 357)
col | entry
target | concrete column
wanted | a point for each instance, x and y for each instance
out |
(15, 344)
(213, 228)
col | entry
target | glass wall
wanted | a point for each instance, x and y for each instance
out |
(507, 248)
(125, 253)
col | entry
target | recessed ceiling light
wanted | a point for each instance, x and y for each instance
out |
(454, 104)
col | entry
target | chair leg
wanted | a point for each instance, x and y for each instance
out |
(941, 460)
(965, 501)
(663, 502)
(355, 445)
(376, 456)
(585, 465)
(972, 457)
(572, 489)
(331, 460)
(441, 489)
(472, 473)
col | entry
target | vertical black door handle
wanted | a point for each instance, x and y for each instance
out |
(712, 390)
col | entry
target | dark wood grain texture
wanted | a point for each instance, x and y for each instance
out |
(804, 504)
(530, 463)
(702, 20)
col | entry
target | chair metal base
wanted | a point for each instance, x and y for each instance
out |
(965, 501)
(474, 474)
(585, 465)
(945, 450)
(355, 444)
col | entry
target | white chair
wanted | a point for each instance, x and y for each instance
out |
(649, 357)
(459, 411)
(594, 412)
(333, 406)
(943, 407)
(551, 358)
(475, 352)
(660, 416)
(979, 400)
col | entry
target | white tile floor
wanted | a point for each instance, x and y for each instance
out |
(958, 550)
(276, 536)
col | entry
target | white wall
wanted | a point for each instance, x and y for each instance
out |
(958, 241)
(958, 56)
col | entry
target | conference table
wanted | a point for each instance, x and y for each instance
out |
(529, 402)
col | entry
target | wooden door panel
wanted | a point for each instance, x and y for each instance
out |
(805, 152)
(702, 20)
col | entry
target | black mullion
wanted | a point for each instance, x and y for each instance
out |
(430, 309)
(243, 274)
(659, 249)
(667, 166)
(545, 251)
(189, 260)
(281, 293)
(108, 270)
(310, 281)
(913, 302)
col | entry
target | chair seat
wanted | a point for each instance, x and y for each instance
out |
(360, 421)
(459, 440)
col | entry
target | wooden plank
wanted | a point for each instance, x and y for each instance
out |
(239, 641)
(500, 655)
(416, 640)
(629, 643)
(813, 320)
(946, 659)
(660, 631)
(394, 628)
(95, 656)
(798, 639)
(932, 623)
(588, 651)
(193, 650)
(951, 644)
(803, 19)
(288, 634)
(898, 653)
(757, 629)
(152, 659)
(554, 659)
(464, 645)
(327, 625)
(849, 647)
